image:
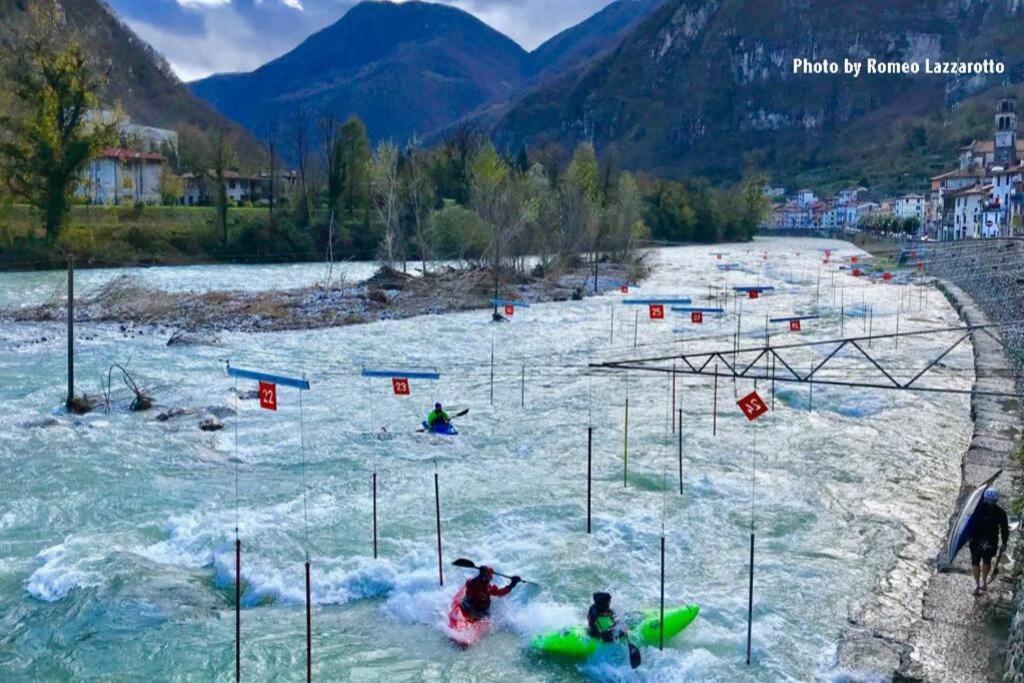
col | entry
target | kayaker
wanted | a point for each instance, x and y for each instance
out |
(601, 618)
(437, 417)
(988, 526)
(477, 603)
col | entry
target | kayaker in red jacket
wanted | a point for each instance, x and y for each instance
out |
(477, 602)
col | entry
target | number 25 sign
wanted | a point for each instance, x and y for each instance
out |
(752, 405)
(657, 312)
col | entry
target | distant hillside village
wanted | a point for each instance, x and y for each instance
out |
(139, 171)
(982, 197)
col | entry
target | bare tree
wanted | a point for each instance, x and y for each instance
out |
(386, 187)
(301, 143)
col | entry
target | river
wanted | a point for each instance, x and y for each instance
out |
(117, 530)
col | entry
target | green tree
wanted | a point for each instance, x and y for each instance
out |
(222, 160)
(171, 188)
(48, 137)
(386, 185)
(353, 157)
(580, 198)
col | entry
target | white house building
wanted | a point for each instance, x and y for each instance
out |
(123, 176)
(967, 212)
(909, 206)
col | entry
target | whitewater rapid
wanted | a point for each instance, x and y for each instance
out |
(117, 530)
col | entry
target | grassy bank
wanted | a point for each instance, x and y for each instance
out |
(105, 235)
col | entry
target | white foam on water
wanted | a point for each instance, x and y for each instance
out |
(62, 570)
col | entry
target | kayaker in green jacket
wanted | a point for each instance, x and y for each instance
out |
(601, 618)
(437, 417)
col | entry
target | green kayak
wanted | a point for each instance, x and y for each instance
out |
(645, 629)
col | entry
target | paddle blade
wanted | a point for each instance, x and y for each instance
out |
(634, 655)
(461, 413)
(463, 562)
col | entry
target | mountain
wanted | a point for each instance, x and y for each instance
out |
(599, 33)
(405, 69)
(707, 87)
(140, 79)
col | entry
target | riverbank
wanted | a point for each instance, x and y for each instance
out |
(953, 635)
(388, 295)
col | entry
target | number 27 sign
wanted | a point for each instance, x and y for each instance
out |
(752, 405)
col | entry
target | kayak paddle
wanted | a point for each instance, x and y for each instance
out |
(469, 564)
(634, 652)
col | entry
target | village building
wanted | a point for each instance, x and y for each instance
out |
(123, 176)
(200, 189)
(909, 206)
(967, 208)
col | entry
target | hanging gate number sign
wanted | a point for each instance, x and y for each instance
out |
(510, 309)
(401, 386)
(268, 396)
(657, 312)
(794, 325)
(752, 405)
(697, 317)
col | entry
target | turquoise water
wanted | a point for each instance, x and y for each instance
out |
(117, 530)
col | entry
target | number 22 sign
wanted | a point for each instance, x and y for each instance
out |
(268, 396)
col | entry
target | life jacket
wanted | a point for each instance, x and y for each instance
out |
(600, 623)
(477, 601)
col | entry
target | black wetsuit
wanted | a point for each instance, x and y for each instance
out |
(987, 526)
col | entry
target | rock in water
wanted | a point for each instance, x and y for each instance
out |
(211, 424)
(186, 338)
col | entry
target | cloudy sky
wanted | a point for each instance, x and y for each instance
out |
(200, 37)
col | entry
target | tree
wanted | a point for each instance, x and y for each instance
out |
(171, 188)
(419, 195)
(301, 145)
(386, 188)
(223, 159)
(624, 222)
(272, 133)
(354, 159)
(501, 197)
(48, 138)
(580, 194)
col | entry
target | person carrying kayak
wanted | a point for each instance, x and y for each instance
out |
(988, 526)
(437, 417)
(601, 618)
(479, 590)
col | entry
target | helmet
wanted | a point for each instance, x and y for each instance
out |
(991, 496)
(602, 600)
(437, 406)
(486, 571)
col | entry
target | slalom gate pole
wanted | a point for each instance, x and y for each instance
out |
(375, 515)
(636, 326)
(714, 405)
(611, 330)
(71, 329)
(750, 598)
(625, 447)
(590, 461)
(238, 609)
(437, 513)
(309, 629)
(680, 451)
(871, 324)
(522, 386)
(842, 312)
(492, 368)
(896, 337)
(661, 623)
(673, 397)
(773, 382)
(810, 389)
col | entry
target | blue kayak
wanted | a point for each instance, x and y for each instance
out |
(960, 532)
(447, 429)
